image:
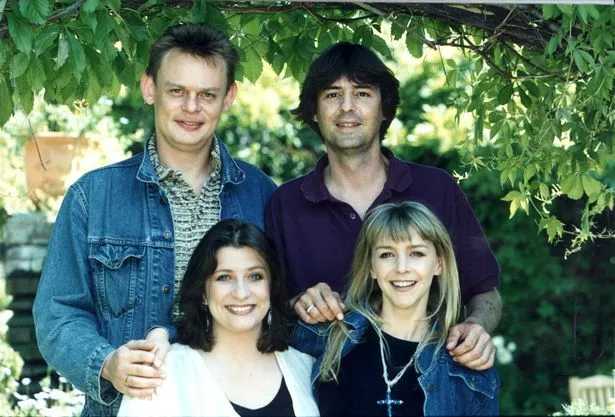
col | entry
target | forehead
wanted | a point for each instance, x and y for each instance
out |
(345, 82)
(178, 65)
(409, 237)
(230, 257)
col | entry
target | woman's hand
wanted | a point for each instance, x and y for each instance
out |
(319, 304)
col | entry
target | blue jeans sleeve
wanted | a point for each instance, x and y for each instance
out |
(64, 308)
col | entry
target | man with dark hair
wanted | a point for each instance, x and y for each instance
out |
(125, 232)
(349, 98)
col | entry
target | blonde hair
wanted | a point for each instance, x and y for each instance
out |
(396, 221)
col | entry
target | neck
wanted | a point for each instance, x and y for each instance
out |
(195, 166)
(406, 324)
(356, 170)
(237, 346)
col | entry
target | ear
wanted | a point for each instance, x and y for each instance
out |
(315, 118)
(230, 96)
(438, 271)
(204, 300)
(371, 274)
(148, 88)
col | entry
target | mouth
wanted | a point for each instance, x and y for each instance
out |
(403, 285)
(347, 124)
(241, 310)
(191, 126)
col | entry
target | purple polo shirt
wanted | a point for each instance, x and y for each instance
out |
(315, 233)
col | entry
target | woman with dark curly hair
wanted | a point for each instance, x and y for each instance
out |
(233, 356)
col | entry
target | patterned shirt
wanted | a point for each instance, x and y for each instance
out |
(193, 214)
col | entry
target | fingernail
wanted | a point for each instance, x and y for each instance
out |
(157, 363)
(163, 375)
(340, 316)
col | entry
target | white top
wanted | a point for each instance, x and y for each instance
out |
(191, 390)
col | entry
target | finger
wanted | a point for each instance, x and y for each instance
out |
(479, 355)
(334, 305)
(145, 371)
(301, 311)
(483, 362)
(140, 345)
(339, 301)
(466, 345)
(142, 383)
(322, 312)
(453, 338)
(145, 393)
(160, 354)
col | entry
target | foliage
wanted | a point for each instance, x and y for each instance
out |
(538, 80)
(582, 408)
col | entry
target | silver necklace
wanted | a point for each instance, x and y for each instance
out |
(388, 401)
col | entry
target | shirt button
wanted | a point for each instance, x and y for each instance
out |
(353, 216)
(165, 289)
(167, 234)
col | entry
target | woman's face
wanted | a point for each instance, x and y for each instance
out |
(237, 293)
(404, 271)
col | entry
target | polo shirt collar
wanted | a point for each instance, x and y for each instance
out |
(315, 190)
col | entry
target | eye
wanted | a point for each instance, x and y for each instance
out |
(333, 94)
(175, 91)
(207, 95)
(416, 254)
(363, 94)
(223, 277)
(257, 276)
(385, 255)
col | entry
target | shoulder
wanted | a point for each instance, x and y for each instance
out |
(297, 361)
(254, 175)
(181, 357)
(430, 174)
(290, 188)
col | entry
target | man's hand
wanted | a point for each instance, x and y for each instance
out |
(130, 369)
(160, 337)
(471, 346)
(319, 304)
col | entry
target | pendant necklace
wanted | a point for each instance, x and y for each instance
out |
(388, 401)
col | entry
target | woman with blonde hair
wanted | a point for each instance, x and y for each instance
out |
(388, 356)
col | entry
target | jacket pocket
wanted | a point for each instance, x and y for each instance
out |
(119, 269)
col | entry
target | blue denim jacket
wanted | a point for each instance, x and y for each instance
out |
(450, 389)
(109, 272)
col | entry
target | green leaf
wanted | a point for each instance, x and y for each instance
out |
(544, 191)
(114, 4)
(36, 11)
(505, 94)
(553, 44)
(63, 50)
(90, 5)
(573, 186)
(363, 35)
(6, 105)
(253, 65)
(591, 186)
(517, 200)
(579, 60)
(553, 226)
(528, 173)
(582, 13)
(3, 53)
(549, 11)
(20, 32)
(525, 99)
(45, 38)
(414, 45)
(77, 56)
(19, 65)
(36, 76)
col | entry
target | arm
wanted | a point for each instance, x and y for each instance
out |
(469, 342)
(65, 311)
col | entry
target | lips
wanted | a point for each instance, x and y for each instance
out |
(241, 310)
(402, 285)
(347, 124)
(187, 125)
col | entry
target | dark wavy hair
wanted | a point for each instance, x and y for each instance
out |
(361, 66)
(192, 328)
(198, 39)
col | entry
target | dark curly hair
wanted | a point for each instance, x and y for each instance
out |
(192, 329)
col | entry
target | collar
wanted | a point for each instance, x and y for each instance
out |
(315, 190)
(222, 160)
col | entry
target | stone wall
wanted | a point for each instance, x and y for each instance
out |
(26, 237)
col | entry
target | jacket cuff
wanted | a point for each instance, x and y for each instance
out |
(97, 388)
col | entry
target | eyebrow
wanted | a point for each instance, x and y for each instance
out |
(176, 85)
(420, 245)
(252, 268)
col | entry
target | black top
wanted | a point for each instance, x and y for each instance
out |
(361, 385)
(281, 405)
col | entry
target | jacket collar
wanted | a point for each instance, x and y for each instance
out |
(231, 173)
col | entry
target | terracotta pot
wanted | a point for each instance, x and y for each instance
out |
(46, 173)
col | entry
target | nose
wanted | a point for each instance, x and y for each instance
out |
(402, 264)
(348, 102)
(191, 103)
(241, 290)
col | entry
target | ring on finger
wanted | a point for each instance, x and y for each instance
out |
(310, 308)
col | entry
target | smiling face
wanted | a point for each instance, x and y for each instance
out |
(404, 271)
(349, 115)
(237, 293)
(188, 96)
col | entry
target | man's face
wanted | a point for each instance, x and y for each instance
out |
(349, 116)
(188, 96)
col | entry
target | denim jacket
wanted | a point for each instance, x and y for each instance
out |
(109, 272)
(450, 389)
